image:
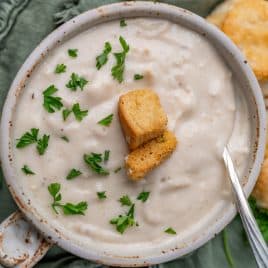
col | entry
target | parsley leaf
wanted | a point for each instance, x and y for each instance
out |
(42, 144)
(123, 23)
(125, 221)
(73, 52)
(68, 208)
(65, 138)
(65, 113)
(28, 138)
(60, 68)
(138, 77)
(73, 173)
(101, 195)
(143, 196)
(125, 201)
(261, 216)
(119, 67)
(75, 209)
(170, 231)
(76, 81)
(51, 103)
(117, 169)
(54, 189)
(79, 114)
(106, 155)
(106, 121)
(93, 160)
(27, 170)
(103, 57)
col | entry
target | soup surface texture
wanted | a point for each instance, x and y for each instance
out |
(188, 192)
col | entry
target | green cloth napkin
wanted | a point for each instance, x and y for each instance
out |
(23, 24)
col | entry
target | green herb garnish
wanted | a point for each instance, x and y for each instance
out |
(60, 68)
(73, 173)
(170, 231)
(65, 138)
(51, 103)
(103, 57)
(119, 67)
(143, 196)
(27, 170)
(42, 144)
(68, 208)
(73, 52)
(123, 23)
(32, 137)
(78, 113)
(125, 201)
(138, 77)
(76, 81)
(101, 195)
(227, 249)
(65, 113)
(106, 121)
(93, 160)
(28, 138)
(106, 155)
(123, 222)
(117, 169)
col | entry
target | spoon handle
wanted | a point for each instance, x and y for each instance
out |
(254, 235)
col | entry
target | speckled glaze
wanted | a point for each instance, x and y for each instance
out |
(229, 52)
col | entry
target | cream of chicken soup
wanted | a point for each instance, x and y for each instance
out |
(69, 150)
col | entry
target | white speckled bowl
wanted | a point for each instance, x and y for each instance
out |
(229, 52)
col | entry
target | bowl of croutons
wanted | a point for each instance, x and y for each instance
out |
(113, 131)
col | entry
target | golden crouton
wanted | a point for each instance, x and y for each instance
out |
(260, 191)
(246, 25)
(150, 155)
(142, 117)
(218, 15)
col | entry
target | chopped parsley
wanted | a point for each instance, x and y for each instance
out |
(60, 68)
(143, 196)
(118, 69)
(103, 57)
(65, 138)
(27, 170)
(32, 137)
(65, 113)
(76, 81)
(28, 138)
(51, 103)
(106, 121)
(68, 208)
(93, 160)
(73, 52)
(78, 113)
(106, 155)
(125, 201)
(170, 231)
(73, 173)
(101, 195)
(117, 169)
(123, 23)
(42, 144)
(138, 77)
(122, 222)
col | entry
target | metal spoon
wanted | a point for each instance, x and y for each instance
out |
(254, 235)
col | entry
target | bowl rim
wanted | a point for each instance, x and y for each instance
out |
(88, 19)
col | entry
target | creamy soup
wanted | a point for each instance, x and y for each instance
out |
(189, 191)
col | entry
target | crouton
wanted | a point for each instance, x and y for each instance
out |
(150, 155)
(142, 117)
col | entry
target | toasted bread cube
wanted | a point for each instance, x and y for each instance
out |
(142, 116)
(150, 155)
